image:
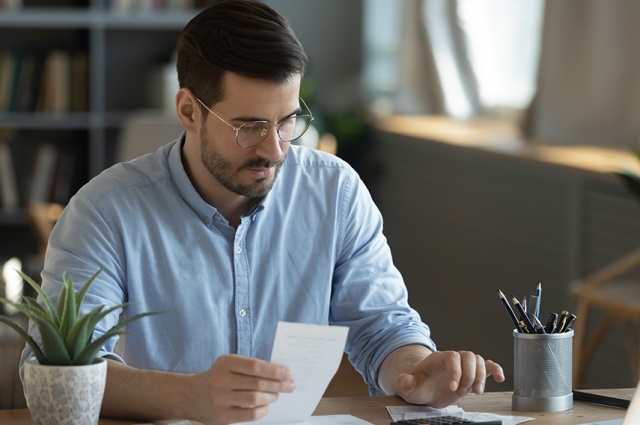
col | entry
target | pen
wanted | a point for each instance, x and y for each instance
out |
(552, 323)
(539, 327)
(538, 299)
(533, 305)
(562, 320)
(509, 310)
(523, 315)
(568, 323)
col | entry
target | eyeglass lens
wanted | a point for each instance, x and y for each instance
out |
(289, 129)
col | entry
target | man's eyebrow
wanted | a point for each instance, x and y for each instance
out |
(249, 118)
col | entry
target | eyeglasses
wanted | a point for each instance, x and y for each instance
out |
(251, 133)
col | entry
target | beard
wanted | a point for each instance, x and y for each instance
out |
(227, 174)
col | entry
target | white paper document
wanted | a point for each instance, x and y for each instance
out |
(398, 413)
(313, 420)
(313, 354)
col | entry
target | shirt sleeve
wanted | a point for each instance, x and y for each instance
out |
(368, 292)
(83, 242)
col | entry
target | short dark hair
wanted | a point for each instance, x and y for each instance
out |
(239, 36)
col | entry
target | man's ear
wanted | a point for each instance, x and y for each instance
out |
(188, 110)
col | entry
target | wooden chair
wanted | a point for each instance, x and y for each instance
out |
(614, 292)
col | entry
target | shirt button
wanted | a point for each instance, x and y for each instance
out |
(206, 220)
(242, 312)
(238, 250)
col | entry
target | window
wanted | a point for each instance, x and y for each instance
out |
(502, 39)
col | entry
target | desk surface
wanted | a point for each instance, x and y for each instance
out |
(372, 409)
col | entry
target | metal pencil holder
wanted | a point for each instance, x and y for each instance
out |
(542, 372)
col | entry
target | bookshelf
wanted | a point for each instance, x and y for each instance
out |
(105, 70)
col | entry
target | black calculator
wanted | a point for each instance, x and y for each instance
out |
(444, 420)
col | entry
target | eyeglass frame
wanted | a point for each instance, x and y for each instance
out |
(277, 125)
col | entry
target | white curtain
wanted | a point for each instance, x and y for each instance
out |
(434, 73)
(467, 58)
(572, 66)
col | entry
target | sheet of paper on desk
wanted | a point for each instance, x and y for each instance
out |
(313, 420)
(398, 413)
(334, 420)
(313, 354)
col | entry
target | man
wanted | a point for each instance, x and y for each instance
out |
(229, 230)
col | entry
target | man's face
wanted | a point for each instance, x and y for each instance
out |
(248, 172)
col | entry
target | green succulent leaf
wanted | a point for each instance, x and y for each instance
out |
(80, 334)
(48, 305)
(36, 314)
(52, 344)
(80, 295)
(92, 349)
(64, 332)
(69, 314)
(32, 303)
(29, 340)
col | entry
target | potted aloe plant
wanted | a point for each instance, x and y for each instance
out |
(64, 380)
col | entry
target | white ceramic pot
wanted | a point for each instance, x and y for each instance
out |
(69, 395)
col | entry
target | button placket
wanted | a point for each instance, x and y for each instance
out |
(242, 291)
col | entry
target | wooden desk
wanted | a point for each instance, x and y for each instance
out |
(372, 409)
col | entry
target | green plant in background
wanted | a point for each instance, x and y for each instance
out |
(347, 123)
(65, 333)
(630, 178)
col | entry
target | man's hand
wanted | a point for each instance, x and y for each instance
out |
(439, 378)
(234, 389)
(238, 389)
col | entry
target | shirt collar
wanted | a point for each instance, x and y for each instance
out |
(204, 211)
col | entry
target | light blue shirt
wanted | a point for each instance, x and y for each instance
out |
(312, 252)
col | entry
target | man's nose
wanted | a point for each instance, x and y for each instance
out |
(271, 147)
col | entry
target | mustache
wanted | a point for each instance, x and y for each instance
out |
(262, 163)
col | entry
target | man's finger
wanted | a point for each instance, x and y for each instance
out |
(453, 368)
(481, 375)
(256, 367)
(495, 370)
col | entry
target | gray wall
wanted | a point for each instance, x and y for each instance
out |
(463, 223)
(331, 33)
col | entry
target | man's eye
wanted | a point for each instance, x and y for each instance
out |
(253, 127)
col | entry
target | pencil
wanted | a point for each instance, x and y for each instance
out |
(509, 310)
(523, 315)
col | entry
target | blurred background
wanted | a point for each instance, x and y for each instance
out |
(492, 134)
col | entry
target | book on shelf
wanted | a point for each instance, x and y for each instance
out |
(30, 81)
(79, 82)
(10, 4)
(6, 79)
(54, 83)
(40, 187)
(122, 6)
(54, 93)
(9, 199)
(66, 177)
(54, 173)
